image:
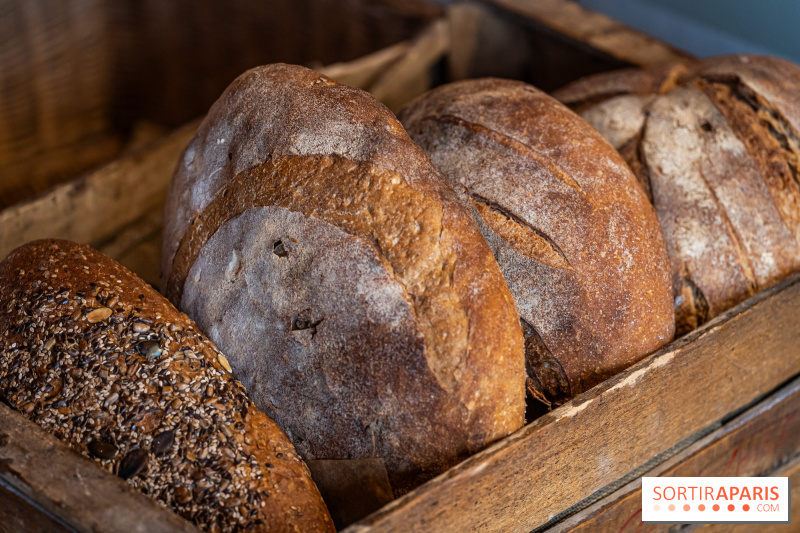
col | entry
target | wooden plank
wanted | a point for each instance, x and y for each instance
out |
(598, 438)
(38, 472)
(410, 75)
(138, 245)
(597, 31)
(752, 444)
(364, 71)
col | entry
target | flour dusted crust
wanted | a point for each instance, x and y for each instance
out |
(719, 150)
(97, 357)
(352, 292)
(577, 241)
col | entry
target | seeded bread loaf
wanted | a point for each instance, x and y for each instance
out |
(574, 235)
(353, 293)
(97, 357)
(719, 151)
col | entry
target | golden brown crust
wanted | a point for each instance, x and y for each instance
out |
(575, 237)
(96, 356)
(391, 332)
(720, 150)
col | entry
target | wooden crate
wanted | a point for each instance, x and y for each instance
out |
(723, 400)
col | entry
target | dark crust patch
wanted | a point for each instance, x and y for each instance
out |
(693, 310)
(547, 376)
(769, 138)
(224, 465)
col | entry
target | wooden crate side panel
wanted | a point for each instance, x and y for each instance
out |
(756, 443)
(547, 43)
(560, 460)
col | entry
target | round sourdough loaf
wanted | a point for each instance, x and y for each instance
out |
(719, 152)
(574, 235)
(97, 357)
(354, 295)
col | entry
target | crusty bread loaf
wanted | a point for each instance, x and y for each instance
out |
(353, 293)
(719, 151)
(574, 235)
(97, 357)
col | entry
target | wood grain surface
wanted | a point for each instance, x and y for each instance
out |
(790, 470)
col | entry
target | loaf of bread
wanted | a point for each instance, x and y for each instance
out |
(574, 235)
(318, 247)
(719, 151)
(98, 358)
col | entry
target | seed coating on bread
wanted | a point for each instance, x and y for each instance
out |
(98, 358)
(577, 241)
(353, 292)
(719, 151)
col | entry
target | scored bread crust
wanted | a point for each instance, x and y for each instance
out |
(720, 151)
(350, 288)
(94, 355)
(574, 235)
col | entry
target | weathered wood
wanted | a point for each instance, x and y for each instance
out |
(410, 75)
(565, 457)
(18, 515)
(138, 245)
(38, 472)
(364, 71)
(752, 444)
(598, 31)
